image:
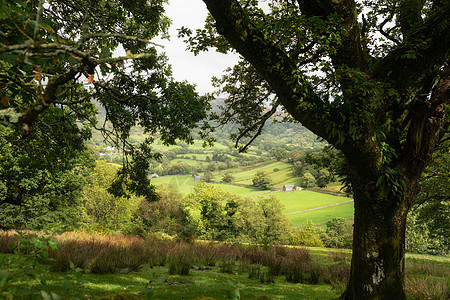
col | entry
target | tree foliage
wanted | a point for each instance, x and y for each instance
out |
(42, 175)
(262, 180)
(58, 57)
(102, 210)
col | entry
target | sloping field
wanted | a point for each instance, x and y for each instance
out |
(301, 200)
(241, 190)
(178, 181)
(282, 177)
(186, 161)
(322, 215)
(229, 188)
(245, 176)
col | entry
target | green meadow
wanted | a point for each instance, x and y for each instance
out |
(322, 215)
(301, 200)
(294, 201)
(177, 181)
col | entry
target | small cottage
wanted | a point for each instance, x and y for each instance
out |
(288, 188)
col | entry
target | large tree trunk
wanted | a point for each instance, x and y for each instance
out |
(377, 269)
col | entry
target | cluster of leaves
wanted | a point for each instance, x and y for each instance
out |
(338, 234)
(102, 211)
(41, 175)
(262, 180)
(57, 58)
(221, 216)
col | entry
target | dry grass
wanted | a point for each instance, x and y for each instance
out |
(427, 288)
(426, 279)
(6, 240)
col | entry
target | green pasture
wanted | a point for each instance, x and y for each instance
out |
(241, 190)
(246, 174)
(191, 162)
(178, 181)
(322, 215)
(301, 200)
(282, 177)
(229, 188)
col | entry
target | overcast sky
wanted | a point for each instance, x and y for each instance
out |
(195, 69)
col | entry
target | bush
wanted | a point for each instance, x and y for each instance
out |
(228, 178)
(339, 233)
(307, 236)
(262, 180)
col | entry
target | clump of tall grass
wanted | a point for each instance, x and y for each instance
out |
(181, 259)
(337, 275)
(337, 256)
(427, 288)
(7, 238)
(110, 253)
(426, 267)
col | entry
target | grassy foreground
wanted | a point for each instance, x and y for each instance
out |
(207, 282)
(92, 266)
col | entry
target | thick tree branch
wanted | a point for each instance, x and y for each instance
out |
(410, 17)
(409, 67)
(275, 66)
(349, 52)
(427, 127)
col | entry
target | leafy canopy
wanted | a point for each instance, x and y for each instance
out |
(63, 56)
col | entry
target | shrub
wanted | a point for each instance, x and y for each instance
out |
(296, 265)
(228, 178)
(305, 237)
(339, 233)
(337, 275)
(262, 180)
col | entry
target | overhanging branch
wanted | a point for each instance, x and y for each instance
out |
(275, 66)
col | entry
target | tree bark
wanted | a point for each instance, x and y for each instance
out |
(377, 268)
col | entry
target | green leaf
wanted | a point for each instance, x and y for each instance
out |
(380, 180)
(9, 58)
(66, 284)
(106, 52)
(104, 69)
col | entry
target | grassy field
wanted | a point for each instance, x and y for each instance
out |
(208, 283)
(245, 174)
(187, 161)
(229, 188)
(177, 181)
(293, 201)
(223, 277)
(241, 190)
(301, 200)
(322, 215)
